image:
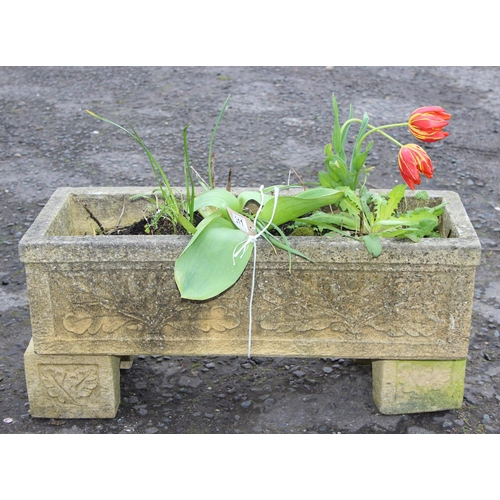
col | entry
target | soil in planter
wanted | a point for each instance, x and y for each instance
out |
(165, 226)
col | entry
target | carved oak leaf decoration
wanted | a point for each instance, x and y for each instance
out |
(109, 324)
(299, 324)
(287, 312)
(217, 319)
(361, 307)
(357, 326)
(70, 384)
(430, 378)
(82, 320)
(78, 321)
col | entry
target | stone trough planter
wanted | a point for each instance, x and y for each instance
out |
(97, 301)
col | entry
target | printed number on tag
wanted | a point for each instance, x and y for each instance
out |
(241, 222)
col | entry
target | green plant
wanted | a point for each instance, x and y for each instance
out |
(372, 216)
(219, 249)
(221, 244)
(175, 206)
(219, 252)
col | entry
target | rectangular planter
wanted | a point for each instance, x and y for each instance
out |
(116, 296)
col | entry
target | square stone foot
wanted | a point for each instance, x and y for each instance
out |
(408, 386)
(80, 386)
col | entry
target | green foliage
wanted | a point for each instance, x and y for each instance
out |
(179, 209)
(210, 172)
(210, 263)
(421, 195)
(373, 244)
(175, 207)
(339, 173)
(222, 243)
(371, 216)
(360, 213)
(207, 267)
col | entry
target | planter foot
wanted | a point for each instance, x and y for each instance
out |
(408, 386)
(126, 362)
(76, 386)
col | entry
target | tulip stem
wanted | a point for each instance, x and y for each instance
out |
(379, 130)
(375, 129)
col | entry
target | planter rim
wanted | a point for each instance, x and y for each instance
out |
(36, 246)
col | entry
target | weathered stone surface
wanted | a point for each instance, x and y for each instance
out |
(417, 386)
(115, 295)
(61, 386)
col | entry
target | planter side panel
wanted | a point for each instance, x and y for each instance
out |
(350, 311)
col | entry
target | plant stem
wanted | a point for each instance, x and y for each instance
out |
(374, 129)
(379, 130)
(210, 177)
(188, 177)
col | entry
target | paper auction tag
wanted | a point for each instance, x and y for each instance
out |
(241, 222)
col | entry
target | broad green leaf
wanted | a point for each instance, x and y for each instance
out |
(412, 237)
(373, 244)
(186, 224)
(290, 207)
(284, 187)
(203, 224)
(326, 180)
(406, 232)
(358, 161)
(246, 196)
(206, 267)
(413, 219)
(337, 168)
(328, 152)
(218, 197)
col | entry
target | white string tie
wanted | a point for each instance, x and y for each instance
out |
(252, 238)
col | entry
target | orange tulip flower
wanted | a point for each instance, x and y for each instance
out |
(427, 123)
(413, 161)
